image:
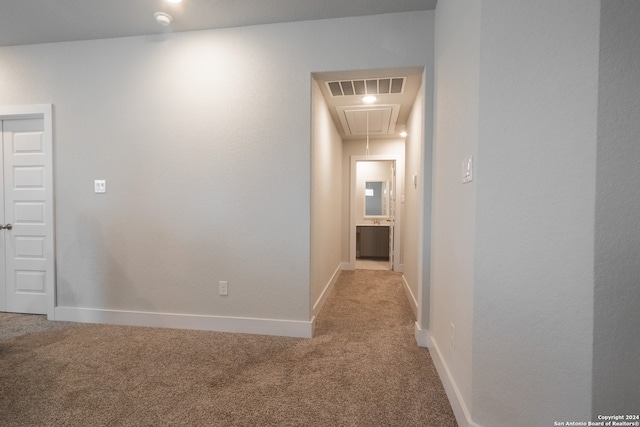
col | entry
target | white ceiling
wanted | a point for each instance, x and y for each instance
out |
(46, 21)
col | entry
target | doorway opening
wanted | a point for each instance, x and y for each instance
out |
(374, 240)
(347, 130)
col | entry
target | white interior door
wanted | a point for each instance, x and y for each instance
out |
(26, 237)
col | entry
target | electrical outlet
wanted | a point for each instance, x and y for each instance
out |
(223, 287)
(453, 336)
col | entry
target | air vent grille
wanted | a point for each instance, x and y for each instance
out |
(382, 86)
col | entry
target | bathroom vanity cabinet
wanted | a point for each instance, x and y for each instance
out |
(372, 241)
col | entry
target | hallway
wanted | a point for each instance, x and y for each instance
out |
(386, 378)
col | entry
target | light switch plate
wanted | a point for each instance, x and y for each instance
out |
(100, 186)
(467, 170)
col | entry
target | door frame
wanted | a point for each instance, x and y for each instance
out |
(352, 209)
(44, 112)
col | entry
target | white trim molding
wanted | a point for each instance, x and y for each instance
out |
(348, 266)
(458, 405)
(411, 297)
(286, 328)
(326, 291)
(422, 336)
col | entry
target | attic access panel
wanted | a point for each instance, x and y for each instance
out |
(377, 120)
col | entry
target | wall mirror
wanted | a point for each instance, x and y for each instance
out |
(376, 199)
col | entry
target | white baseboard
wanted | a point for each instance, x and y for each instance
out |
(286, 328)
(412, 298)
(458, 405)
(348, 266)
(422, 336)
(327, 290)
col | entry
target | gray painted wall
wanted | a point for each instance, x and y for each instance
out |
(513, 261)
(412, 206)
(457, 56)
(204, 140)
(616, 351)
(533, 292)
(326, 198)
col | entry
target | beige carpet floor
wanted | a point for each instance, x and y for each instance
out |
(362, 368)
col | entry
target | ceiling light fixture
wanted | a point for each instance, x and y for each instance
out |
(403, 134)
(163, 18)
(174, 1)
(369, 99)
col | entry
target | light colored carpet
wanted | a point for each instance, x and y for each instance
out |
(362, 368)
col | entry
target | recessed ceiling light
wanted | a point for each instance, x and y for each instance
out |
(403, 134)
(163, 18)
(369, 99)
(174, 1)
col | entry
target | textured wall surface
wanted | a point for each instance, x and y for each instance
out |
(533, 295)
(513, 262)
(456, 78)
(616, 352)
(204, 140)
(412, 231)
(326, 197)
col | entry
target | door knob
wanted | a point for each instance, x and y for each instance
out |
(8, 227)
